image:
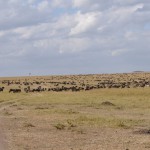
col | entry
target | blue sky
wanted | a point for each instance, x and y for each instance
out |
(45, 37)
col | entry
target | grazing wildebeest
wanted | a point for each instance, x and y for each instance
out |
(15, 90)
(1, 89)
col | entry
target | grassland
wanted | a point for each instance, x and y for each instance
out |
(81, 120)
(103, 119)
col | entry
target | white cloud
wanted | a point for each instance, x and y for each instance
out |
(43, 5)
(42, 28)
(85, 22)
(122, 14)
(118, 52)
(74, 45)
(79, 3)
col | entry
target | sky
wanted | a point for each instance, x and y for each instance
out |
(48, 37)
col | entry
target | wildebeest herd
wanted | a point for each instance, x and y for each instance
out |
(74, 83)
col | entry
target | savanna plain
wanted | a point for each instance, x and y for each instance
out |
(76, 112)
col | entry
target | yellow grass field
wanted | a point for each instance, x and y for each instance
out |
(98, 119)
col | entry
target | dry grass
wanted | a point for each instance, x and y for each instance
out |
(78, 120)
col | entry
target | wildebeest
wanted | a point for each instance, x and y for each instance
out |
(1, 89)
(15, 90)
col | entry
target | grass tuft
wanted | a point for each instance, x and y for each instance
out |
(59, 126)
(28, 125)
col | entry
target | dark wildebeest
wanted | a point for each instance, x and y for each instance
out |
(15, 90)
(1, 89)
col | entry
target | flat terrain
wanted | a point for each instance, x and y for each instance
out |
(96, 119)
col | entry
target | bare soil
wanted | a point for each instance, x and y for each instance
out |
(29, 131)
(3, 140)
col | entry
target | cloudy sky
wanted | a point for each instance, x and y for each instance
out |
(46, 37)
